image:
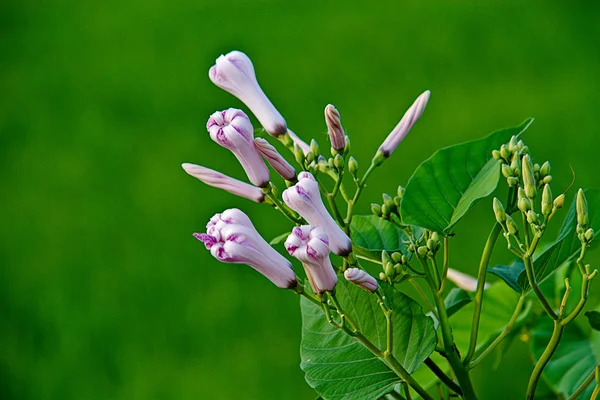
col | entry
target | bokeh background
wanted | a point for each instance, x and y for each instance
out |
(104, 294)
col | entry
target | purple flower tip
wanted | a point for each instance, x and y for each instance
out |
(208, 240)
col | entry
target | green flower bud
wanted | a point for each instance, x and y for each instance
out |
(299, 154)
(400, 191)
(528, 178)
(330, 163)
(389, 270)
(512, 144)
(347, 148)
(523, 202)
(422, 251)
(559, 201)
(397, 201)
(507, 171)
(385, 257)
(353, 166)
(545, 169)
(379, 158)
(404, 259)
(496, 154)
(499, 210)
(547, 201)
(525, 150)
(515, 165)
(520, 145)
(310, 157)
(338, 161)
(385, 209)
(314, 147)
(398, 269)
(582, 209)
(286, 140)
(512, 181)
(322, 164)
(504, 152)
(382, 277)
(536, 167)
(387, 199)
(589, 235)
(376, 209)
(547, 179)
(397, 257)
(431, 244)
(435, 236)
(532, 217)
(511, 225)
(411, 248)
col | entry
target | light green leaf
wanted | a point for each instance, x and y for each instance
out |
(339, 367)
(279, 239)
(371, 234)
(445, 186)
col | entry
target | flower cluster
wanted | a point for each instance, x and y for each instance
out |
(230, 236)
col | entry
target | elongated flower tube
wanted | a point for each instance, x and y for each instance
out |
(301, 143)
(232, 129)
(310, 245)
(404, 126)
(337, 136)
(305, 199)
(234, 73)
(275, 159)
(231, 238)
(464, 281)
(361, 278)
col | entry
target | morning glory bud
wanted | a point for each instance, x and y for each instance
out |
(505, 152)
(305, 199)
(314, 147)
(546, 201)
(547, 179)
(222, 181)
(499, 210)
(337, 137)
(523, 202)
(361, 278)
(559, 201)
(512, 181)
(232, 129)
(231, 238)
(532, 217)
(511, 225)
(400, 191)
(275, 159)
(528, 178)
(310, 245)
(545, 169)
(507, 171)
(422, 251)
(234, 73)
(582, 209)
(404, 126)
(299, 142)
(464, 281)
(589, 235)
(389, 270)
(353, 166)
(338, 161)
(397, 257)
(512, 144)
(496, 154)
(299, 154)
(389, 201)
(376, 209)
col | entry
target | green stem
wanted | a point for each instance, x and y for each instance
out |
(442, 376)
(436, 271)
(446, 264)
(359, 189)
(423, 296)
(478, 303)
(544, 359)
(406, 391)
(501, 336)
(534, 285)
(395, 395)
(281, 207)
(332, 205)
(583, 385)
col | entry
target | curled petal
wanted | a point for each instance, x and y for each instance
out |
(337, 136)
(361, 278)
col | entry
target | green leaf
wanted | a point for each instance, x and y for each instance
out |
(279, 239)
(576, 357)
(445, 186)
(456, 299)
(562, 250)
(594, 319)
(339, 367)
(371, 234)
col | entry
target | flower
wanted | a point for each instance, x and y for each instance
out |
(231, 238)
(464, 281)
(361, 278)
(299, 142)
(227, 183)
(404, 126)
(309, 244)
(275, 159)
(232, 129)
(234, 73)
(305, 199)
(337, 137)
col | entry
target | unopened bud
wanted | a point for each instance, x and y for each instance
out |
(385, 209)
(512, 144)
(435, 236)
(376, 209)
(532, 217)
(310, 157)
(382, 277)
(389, 270)
(431, 244)
(525, 150)
(398, 269)
(545, 169)
(397, 257)
(536, 167)
(504, 152)
(512, 181)
(496, 154)
(299, 154)
(507, 171)
(589, 235)
(314, 147)
(511, 225)
(400, 191)
(547, 179)
(353, 166)
(411, 248)
(422, 251)
(404, 259)
(387, 199)
(337, 137)
(338, 161)
(523, 202)
(385, 258)
(547, 201)
(515, 165)
(499, 210)
(528, 178)
(582, 209)
(520, 145)
(397, 201)
(559, 201)
(322, 163)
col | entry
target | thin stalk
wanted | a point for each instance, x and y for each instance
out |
(406, 391)
(583, 386)
(442, 376)
(395, 395)
(359, 189)
(423, 296)
(501, 336)
(544, 359)
(334, 208)
(534, 285)
(281, 207)
(446, 264)
(436, 271)
(478, 303)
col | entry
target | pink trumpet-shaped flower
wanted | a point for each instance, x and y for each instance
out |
(231, 238)
(310, 245)
(301, 143)
(305, 199)
(234, 73)
(337, 137)
(227, 183)
(361, 278)
(232, 129)
(464, 281)
(404, 126)
(275, 159)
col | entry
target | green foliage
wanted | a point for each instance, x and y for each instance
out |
(339, 367)
(593, 319)
(456, 299)
(446, 185)
(371, 235)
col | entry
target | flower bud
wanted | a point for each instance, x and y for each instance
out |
(523, 202)
(385, 209)
(299, 154)
(545, 169)
(304, 198)
(389, 270)
(387, 199)
(397, 257)
(222, 181)
(361, 278)
(353, 166)
(532, 217)
(496, 154)
(404, 126)
(231, 238)
(234, 73)
(528, 178)
(422, 251)
(310, 245)
(507, 171)
(512, 144)
(338, 161)
(299, 142)
(401, 191)
(499, 210)
(310, 157)
(505, 152)
(376, 209)
(547, 201)
(232, 129)
(589, 235)
(547, 179)
(385, 258)
(582, 209)
(411, 248)
(511, 226)
(337, 137)
(382, 277)
(314, 147)
(512, 181)
(431, 244)
(559, 201)
(435, 236)
(275, 159)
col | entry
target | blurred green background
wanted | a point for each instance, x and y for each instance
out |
(104, 292)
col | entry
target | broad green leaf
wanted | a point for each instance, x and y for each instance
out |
(456, 299)
(371, 234)
(446, 185)
(339, 367)
(563, 249)
(279, 239)
(576, 357)
(594, 319)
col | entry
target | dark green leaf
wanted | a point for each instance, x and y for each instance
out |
(445, 186)
(456, 299)
(339, 367)
(279, 239)
(510, 274)
(594, 319)
(371, 234)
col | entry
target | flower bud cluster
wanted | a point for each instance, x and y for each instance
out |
(393, 267)
(510, 157)
(585, 234)
(390, 205)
